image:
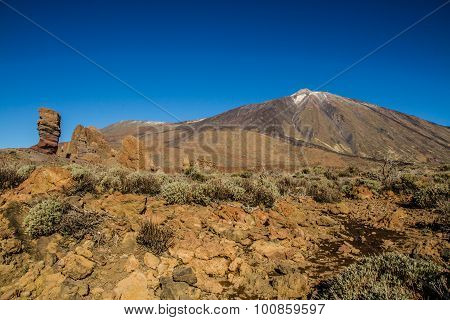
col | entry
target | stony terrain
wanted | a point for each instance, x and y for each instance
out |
(221, 249)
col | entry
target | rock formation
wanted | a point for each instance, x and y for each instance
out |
(49, 128)
(132, 154)
(88, 144)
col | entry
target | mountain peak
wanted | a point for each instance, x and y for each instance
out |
(302, 91)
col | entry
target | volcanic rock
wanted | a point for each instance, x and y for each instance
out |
(49, 128)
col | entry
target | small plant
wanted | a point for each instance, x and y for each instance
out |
(288, 185)
(78, 224)
(200, 194)
(322, 192)
(389, 170)
(430, 196)
(195, 173)
(11, 176)
(157, 239)
(142, 183)
(178, 192)
(390, 276)
(43, 218)
(84, 178)
(260, 191)
(114, 179)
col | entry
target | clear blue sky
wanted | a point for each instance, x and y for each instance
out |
(199, 58)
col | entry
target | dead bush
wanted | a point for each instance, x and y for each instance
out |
(78, 223)
(158, 239)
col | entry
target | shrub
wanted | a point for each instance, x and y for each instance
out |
(114, 179)
(156, 238)
(201, 194)
(43, 218)
(25, 171)
(330, 175)
(430, 196)
(390, 276)
(84, 179)
(406, 183)
(142, 183)
(291, 185)
(325, 193)
(178, 192)
(260, 191)
(372, 185)
(78, 223)
(11, 177)
(225, 189)
(195, 173)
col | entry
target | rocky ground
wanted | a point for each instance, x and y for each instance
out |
(221, 251)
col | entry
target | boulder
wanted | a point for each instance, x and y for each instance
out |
(184, 274)
(172, 290)
(49, 128)
(271, 250)
(133, 287)
(45, 180)
(76, 267)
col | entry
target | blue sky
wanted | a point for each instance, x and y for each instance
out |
(200, 58)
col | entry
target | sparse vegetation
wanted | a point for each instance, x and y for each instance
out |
(85, 180)
(323, 192)
(78, 223)
(390, 276)
(43, 218)
(142, 183)
(158, 239)
(12, 176)
(430, 196)
(178, 192)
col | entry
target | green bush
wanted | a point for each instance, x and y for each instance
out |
(429, 196)
(201, 194)
(390, 276)
(178, 192)
(142, 183)
(225, 189)
(11, 176)
(114, 179)
(85, 179)
(406, 184)
(43, 218)
(156, 238)
(288, 185)
(260, 191)
(322, 192)
(195, 173)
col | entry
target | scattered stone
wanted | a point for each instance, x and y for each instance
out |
(184, 274)
(151, 260)
(132, 264)
(271, 250)
(171, 290)
(133, 287)
(76, 267)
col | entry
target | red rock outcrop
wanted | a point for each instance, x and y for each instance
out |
(49, 128)
(87, 143)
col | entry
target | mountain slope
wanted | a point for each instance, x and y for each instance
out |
(320, 121)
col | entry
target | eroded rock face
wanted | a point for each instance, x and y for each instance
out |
(49, 128)
(132, 154)
(87, 143)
